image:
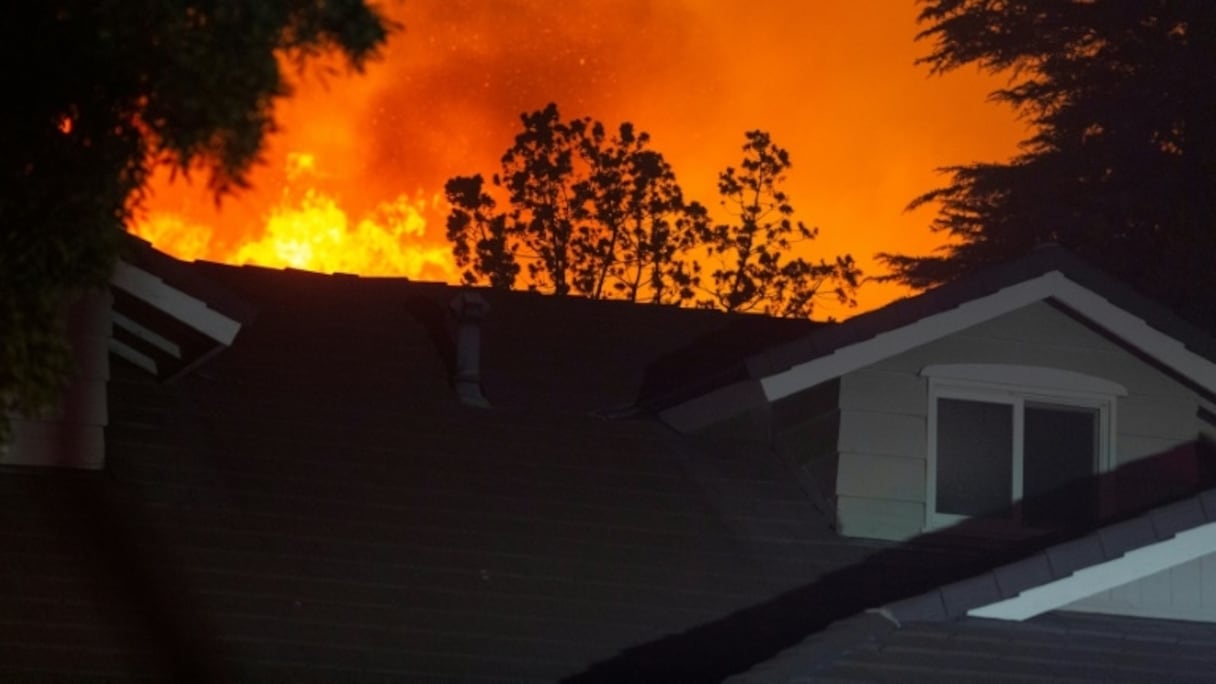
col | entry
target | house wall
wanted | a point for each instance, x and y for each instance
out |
(72, 434)
(1185, 592)
(882, 441)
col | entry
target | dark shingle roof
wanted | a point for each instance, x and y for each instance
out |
(1056, 647)
(316, 504)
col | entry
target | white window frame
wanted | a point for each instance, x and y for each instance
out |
(1015, 386)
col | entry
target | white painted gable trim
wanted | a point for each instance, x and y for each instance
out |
(1133, 565)
(1052, 285)
(193, 312)
(140, 359)
(1025, 377)
(165, 345)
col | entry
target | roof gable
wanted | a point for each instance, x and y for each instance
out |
(166, 318)
(1054, 285)
(1050, 274)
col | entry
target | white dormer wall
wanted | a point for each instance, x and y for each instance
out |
(72, 434)
(882, 443)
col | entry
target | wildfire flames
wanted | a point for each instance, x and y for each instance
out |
(352, 181)
(307, 229)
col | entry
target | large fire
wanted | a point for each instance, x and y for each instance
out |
(316, 235)
(352, 181)
(307, 229)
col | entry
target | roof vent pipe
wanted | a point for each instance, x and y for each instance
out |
(469, 308)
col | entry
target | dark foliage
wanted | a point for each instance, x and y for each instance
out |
(1122, 165)
(589, 213)
(755, 271)
(602, 215)
(97, 93)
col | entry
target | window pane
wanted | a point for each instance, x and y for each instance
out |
(1060, 459)
(974, 457)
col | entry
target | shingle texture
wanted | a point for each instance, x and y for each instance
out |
(1057, 647)
(929, 637)
(315, 504)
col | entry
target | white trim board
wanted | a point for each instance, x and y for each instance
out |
(1024, 378)
(138, 358)
(1131, 566)
(1051, 285)
(165, 345)
(189, 310)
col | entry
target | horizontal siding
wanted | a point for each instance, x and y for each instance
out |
(883, 420)
(879, 518)
(882, 433)
(1160, 417)
(1133, 448)
(884, 392)
(1186, 592)
(875, 476)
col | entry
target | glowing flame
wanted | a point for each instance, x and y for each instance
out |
(176, 235)
(314, 233)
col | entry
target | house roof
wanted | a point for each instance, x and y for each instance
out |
(1049, 274)
(316, 503)
(166, 319)
(1058, 647)
(1005, 622)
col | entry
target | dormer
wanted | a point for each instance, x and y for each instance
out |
(1036, 396)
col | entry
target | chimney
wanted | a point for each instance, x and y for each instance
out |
(469, 308)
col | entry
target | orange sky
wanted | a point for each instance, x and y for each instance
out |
(361, 160)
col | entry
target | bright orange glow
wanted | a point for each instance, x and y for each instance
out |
(175, 235)
(313, 233)
(350, 181)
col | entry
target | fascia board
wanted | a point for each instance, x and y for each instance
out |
(924, 331)
(1136, 564)
(189, 310)
(1139, 334)
(1052, 285)
(166, 346)
(138, 358)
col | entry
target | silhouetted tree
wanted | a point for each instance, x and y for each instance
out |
(590, 213)
(756, 272)
(479, 234)
(1121, 166)
(538, 173)
(641, 229)
(96, 94)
